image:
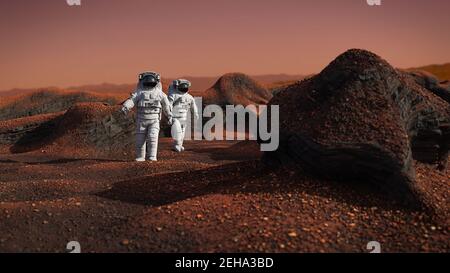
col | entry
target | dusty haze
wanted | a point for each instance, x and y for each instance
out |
(49, 43)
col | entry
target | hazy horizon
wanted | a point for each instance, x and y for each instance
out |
(183, 76)
(98, 84)
(48, 43)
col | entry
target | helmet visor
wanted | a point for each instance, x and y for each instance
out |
(183, 87)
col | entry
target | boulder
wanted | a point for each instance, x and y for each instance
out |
(431, 83)
(360, 119)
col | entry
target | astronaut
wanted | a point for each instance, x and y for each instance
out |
(181, 103)
(150, 102)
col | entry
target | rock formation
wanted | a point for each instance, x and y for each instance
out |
(360, 119)
(236, 89)
(49, 101)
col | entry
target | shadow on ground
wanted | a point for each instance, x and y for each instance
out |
(245, 178)
(61, 161)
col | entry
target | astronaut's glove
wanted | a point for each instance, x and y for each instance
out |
(170, 121)
(125, 110)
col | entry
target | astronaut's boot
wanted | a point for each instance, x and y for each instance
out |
(178, 148)
(140, 147)
(152, 142)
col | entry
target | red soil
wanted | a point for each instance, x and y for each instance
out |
(215, 197)
(205, 200)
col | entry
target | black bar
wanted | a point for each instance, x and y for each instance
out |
(225, 262)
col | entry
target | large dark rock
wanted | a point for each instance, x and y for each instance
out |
(432, 83)
(356, 120)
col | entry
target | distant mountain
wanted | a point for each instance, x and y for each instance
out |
(7, 95)
(442, 71)
(104, 88)
(235, 89)
(199, 84)
(277, 78)
(44, 102)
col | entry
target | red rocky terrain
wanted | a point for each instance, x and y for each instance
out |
(374, 134)
(432, 83)
(215, 197)
(363, 120)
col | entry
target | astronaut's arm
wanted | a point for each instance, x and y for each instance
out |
(171, 96)
(166, 108)
(130, 103)
(194, 109)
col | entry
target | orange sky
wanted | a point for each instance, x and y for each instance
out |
(48, 43)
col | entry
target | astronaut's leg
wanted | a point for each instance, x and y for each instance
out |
(141, 136)
(140, 146)
(152, 140)
(177, 135)
(183, 133)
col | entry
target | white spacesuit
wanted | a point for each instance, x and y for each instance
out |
(150, 102)
(181, 103)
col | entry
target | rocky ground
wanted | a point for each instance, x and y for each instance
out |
(362, 119)
(213, 198)
(346, 172)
